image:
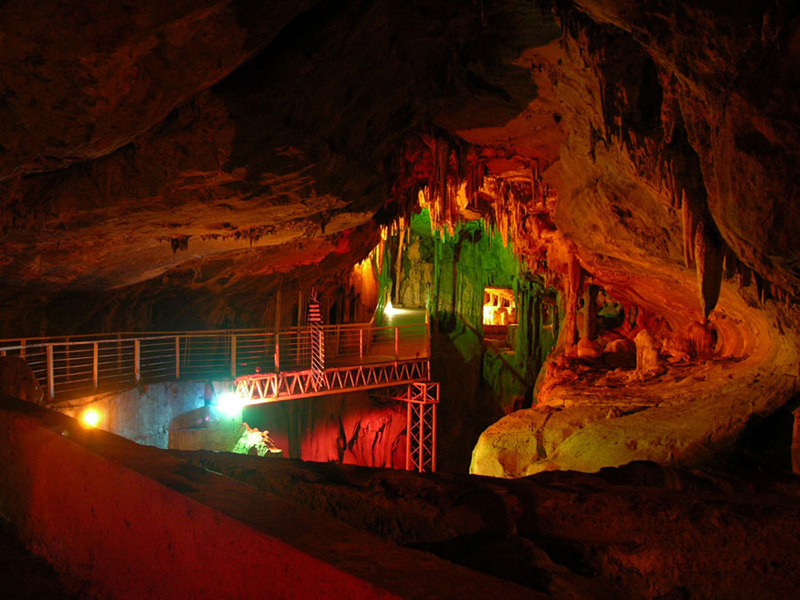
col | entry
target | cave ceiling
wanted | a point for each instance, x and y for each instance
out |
(171, 137)
(214, 146)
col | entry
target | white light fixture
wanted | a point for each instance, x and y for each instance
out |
(229, 404)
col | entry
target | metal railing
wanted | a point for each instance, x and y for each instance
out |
(77, 366)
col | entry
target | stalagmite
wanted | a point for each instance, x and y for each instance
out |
(573, 286)
(647, 358)
(708, 259)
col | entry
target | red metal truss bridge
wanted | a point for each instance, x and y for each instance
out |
(393, 363)
(267, 366)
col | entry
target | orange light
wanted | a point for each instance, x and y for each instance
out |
(91, 417)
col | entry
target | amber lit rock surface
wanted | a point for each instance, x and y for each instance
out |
(641, 189)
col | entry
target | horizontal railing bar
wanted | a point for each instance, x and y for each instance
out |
(92, 362)
(221, 334)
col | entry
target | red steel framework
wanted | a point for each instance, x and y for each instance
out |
(421, 398)
(296, 364)
(403, 381)
(274, 387)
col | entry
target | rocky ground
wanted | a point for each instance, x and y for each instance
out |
(639, 531)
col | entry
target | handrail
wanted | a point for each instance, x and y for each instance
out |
(156, 335)
(82, 336)
(89, 338)
(109, 362)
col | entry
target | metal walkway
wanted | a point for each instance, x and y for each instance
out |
(267, 366)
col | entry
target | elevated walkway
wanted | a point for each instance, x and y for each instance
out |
(266, 366)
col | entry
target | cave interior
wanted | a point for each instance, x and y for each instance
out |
(590, 207)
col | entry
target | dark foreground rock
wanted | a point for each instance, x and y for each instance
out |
(636, 531)
(24, 575)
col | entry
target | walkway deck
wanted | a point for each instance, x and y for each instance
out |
(267, 366)
(81, 366)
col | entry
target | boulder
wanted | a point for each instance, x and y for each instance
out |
(17, 379)
(509, 447)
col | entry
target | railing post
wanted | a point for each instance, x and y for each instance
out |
(137, 364)
(177, 357)
(277, 352)
(233, 356)
(22, 348)
(95, 356)
(51, 384)
(428, 342)
(360, 343)
(396, 342)
(428, 333)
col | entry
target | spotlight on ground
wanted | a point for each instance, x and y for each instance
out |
(229, 404)
(91, 417)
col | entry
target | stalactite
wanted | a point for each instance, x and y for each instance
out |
(675, 198)
(686, 220)
(708, 260)
(731, 264)
(442, 166)
(761, 288)
(381, 250)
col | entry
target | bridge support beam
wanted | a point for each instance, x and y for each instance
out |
(422, 399)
